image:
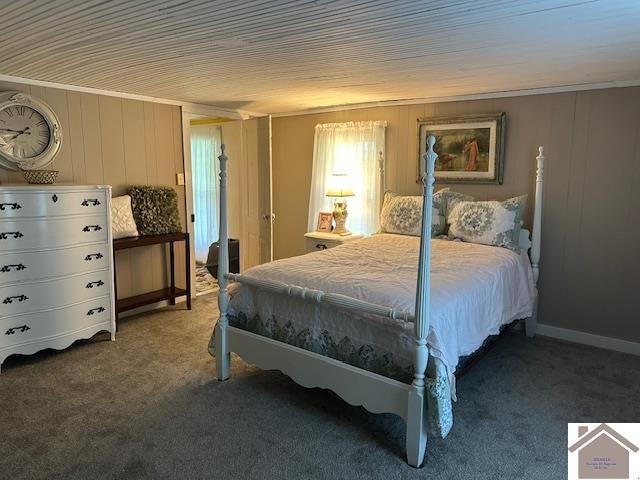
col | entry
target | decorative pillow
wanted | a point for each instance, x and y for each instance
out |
(449, 199)
(155, 210)
(402, 214)
(489, 223)
(122, 222)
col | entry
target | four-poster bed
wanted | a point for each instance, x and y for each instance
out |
(378, 393)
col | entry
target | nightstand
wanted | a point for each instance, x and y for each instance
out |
(315, 241)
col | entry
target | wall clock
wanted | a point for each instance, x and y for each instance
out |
(30, 133)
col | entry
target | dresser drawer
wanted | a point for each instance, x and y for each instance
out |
(52, 232)
(21, 266)
(53, 323)
(58, 292)
(51, 203)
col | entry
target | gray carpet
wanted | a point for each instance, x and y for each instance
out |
(148, 406)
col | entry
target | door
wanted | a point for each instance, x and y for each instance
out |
(257, 212)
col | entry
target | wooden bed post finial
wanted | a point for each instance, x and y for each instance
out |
(219, 338)
(417, 415)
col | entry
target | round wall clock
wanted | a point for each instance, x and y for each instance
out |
(30, 133)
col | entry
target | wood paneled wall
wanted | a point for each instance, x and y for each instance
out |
(118, 142)
(591, 229)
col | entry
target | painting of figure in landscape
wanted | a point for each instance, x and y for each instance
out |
(469, 148)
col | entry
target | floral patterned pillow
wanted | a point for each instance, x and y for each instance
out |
(402, 214)
(488, 223)
(449, 200)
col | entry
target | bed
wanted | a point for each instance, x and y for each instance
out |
(362, 331)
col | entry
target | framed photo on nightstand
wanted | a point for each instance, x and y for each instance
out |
(325, 220)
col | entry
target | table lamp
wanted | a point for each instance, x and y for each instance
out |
(339, 192)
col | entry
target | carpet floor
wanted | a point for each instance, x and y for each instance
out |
(148, 406)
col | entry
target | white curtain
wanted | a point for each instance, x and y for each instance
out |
(205, 168)
(351, 148)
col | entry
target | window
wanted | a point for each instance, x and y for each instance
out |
(348, 153)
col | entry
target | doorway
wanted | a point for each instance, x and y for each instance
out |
(249, 202)
(206, 139)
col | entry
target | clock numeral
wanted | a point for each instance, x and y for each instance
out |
(9, 112)
(20, 110)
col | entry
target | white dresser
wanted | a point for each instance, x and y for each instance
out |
(56, 266)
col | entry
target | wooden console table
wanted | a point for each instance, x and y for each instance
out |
(171, 292)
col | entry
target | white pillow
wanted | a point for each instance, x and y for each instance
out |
(122, 222)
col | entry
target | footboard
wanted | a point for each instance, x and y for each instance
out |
(358, 387)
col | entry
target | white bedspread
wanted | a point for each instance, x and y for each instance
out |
(475, 289)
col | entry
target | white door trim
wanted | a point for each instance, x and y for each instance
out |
(188, 193)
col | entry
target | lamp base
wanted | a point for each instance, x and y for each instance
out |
(340, 217)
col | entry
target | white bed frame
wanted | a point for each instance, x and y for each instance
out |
(376, 393)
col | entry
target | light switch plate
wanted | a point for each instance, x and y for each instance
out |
(179, 178)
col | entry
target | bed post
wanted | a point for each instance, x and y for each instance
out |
(417, 415)
(383, 183)
(223, 358)
(531, 323)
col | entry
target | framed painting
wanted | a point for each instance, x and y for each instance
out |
(470, 148)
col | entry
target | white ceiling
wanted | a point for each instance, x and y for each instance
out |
(279, 56)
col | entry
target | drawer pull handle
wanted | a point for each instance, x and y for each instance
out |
(19, 298)
(18, 267)
(321, 246)
(96, 310)
(5, 235)
(91, 256)
(90, 201)
(20, 329)
(99, 283)
(54, 198)
(95, 228)
(14, 206)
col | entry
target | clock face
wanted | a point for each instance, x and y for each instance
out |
(24, 132)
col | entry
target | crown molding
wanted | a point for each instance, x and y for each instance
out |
(195, 108)
(465, 98)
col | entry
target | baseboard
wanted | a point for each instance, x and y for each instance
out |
(588, 339)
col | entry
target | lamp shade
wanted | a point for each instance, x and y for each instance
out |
(339, 186)
(343, 192)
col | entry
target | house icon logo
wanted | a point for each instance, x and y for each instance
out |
(602, 452)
